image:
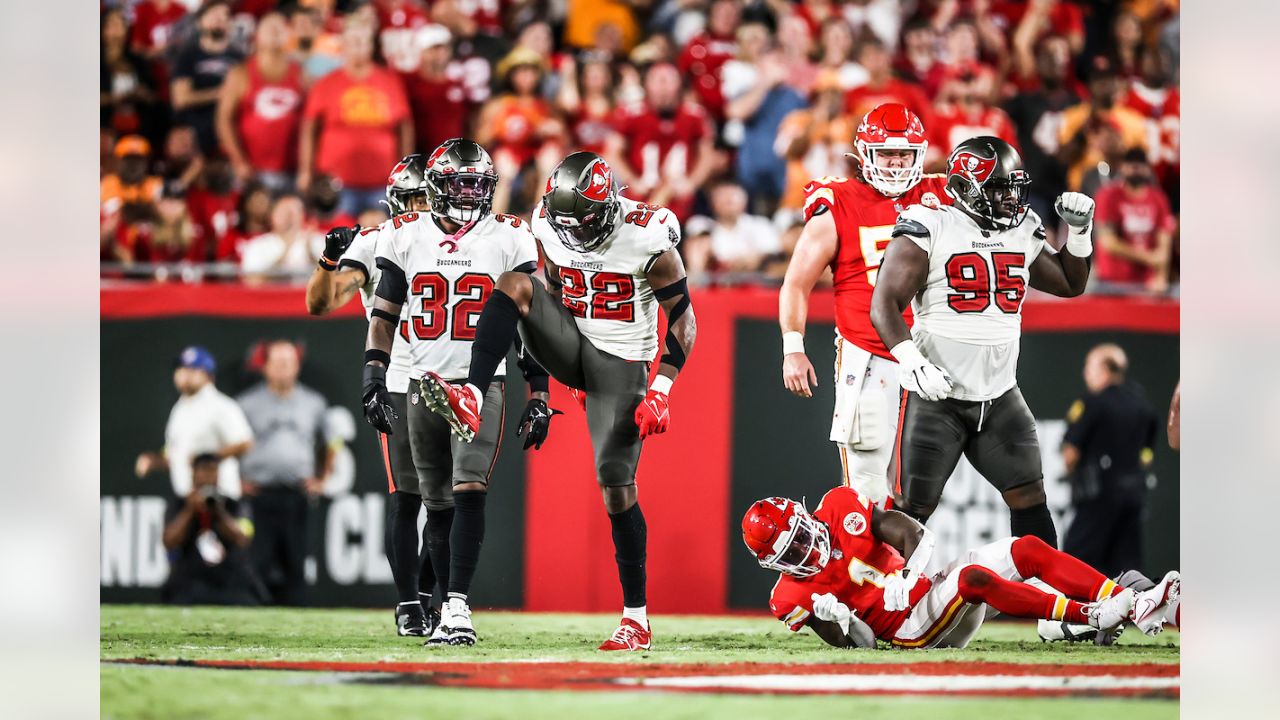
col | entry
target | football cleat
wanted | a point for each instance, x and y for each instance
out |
(410, 620)
(1112, 612)
(455, 625)
(459, 405)
(433, 620)
(629, 636)
(1061, 630)
(1149, 606)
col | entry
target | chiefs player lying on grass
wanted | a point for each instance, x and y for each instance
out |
(854, 574)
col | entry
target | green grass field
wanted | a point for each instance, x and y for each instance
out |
(196, 634)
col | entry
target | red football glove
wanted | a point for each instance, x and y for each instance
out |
(653, 417)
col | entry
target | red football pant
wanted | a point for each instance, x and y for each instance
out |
(1034, 558)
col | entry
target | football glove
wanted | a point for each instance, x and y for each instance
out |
(536, 423)
(918, 375)
(897, 590)
(1076, 210)
(336, 242)
(377, 401)
(828, 608)
(653, 416)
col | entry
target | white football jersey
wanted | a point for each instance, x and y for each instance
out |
(606, 289)
(361, 254)
(450, 277)
(968, 316)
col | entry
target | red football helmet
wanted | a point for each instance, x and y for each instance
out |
(785, 537)
(891, 126)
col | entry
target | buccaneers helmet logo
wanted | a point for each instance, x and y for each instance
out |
(436, 155)
(977, 169)
(600, 181)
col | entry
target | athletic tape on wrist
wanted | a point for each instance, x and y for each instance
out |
(376, 355)
(792, 342)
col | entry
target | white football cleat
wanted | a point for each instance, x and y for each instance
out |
(455, 625)
(1110, 613)
(1149, 606)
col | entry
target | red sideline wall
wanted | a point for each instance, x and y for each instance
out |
(688, 468)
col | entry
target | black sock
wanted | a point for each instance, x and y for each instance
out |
(495, 333)
(426, 570)
(465, 539)
(1035, 520)
(402, 544)
(630, 535)
(439, 525)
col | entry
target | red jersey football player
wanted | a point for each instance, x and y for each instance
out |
(848, 222)
(854, 573)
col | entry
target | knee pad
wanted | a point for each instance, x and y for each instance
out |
(974, 581)
(612, 474)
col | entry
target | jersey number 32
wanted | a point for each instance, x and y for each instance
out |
(430, 317)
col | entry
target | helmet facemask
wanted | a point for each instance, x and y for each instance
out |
(999, 203)
(803, 550)
(459, 196)
(588, 233)
(892, 181)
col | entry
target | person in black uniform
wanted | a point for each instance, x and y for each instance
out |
(1108, 449)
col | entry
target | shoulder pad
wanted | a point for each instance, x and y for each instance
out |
(907, 226)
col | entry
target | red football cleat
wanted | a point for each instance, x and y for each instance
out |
(457, 404)
(628, 636)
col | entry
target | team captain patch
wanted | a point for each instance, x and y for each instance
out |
(855, 523)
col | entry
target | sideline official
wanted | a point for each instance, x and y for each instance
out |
(1108, 451)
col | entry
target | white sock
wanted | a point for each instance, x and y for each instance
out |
(637, 614)
(475, 392)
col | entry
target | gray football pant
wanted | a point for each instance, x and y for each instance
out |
(443, 460)
(614, 386)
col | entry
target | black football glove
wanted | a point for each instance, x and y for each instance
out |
(536, 423)
(336, 242)
(377, 401)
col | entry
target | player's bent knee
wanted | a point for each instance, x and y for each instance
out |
(516, 285)
(471, 486)
(437, 504)
(619, 498)
(1025, 496)
(974, 580)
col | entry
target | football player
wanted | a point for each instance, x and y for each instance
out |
(965, 269)
(345, 267)
(610, 262)
(852, 572)
(442, 266)
(848, 222)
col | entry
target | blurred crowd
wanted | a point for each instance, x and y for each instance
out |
(235, 132)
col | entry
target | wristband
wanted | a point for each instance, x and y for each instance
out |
(907, 354)
(792, 342)
(376, 355)
(661, 385)
(328, 265)
(1080, 243)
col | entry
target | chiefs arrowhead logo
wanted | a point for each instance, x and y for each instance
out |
(599, 183)
(976, 168)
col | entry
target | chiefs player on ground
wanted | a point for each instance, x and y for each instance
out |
(848, 223)
(852, 573)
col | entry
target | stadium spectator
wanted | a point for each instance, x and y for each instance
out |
(1125, 50)
(152, 22)
(171, 235)
(1078, 142)
(207, 537)
(586, 21)
(252, 218)
(795, 50)
(290, 248)
(816, 14)
(918, 54)
(1159, 102)
(964, 111)
(664, 150)
(1037, 114)
(398, 23)
(1107, 450)
(356, 124)
(757, 99)
(739, 241)
(202, 421)
(815, 139)
(182, 162)
(1038, 18)
(586, 99)
(199, 70)
(281, 471)
(437, 91)
(128, 197)
(881, 19)
(519, 127)
(835, 54)
(321, 201)
(1134, 228)
(704, 55)
(127, 98)
(317, 50)
(212, 202)
(960, 57)
(260, 109)
(882, 87)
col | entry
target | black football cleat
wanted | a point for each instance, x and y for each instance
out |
(410, 620)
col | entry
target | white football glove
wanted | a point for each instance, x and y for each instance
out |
(897, 590)
(1076, 210)
(826, 607)
(917, 374)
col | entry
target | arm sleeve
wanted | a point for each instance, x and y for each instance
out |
(918, 224)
